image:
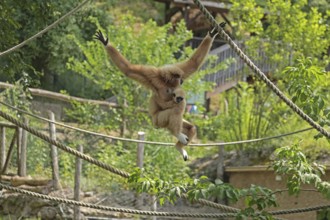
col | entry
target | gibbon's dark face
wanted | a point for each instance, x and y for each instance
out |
(178, 96)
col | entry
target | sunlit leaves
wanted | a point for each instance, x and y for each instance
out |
(256, 198)
(306, 84)
(290, 161)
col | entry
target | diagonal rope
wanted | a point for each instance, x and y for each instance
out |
(125, 175)
(44, 30)
(94, 161)
(258, 72)
(152, 142)
(63, 147)
(114, 209)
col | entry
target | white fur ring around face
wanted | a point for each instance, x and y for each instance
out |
(183, 138)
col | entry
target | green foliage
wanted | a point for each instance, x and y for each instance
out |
(257, 198)
(291, 161)
(288, 30)
(249, 111)
(44, 58)
(307, 84)
(323, 214)
(18, 96)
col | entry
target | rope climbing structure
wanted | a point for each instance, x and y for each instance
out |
(258, 72)
(231, 212)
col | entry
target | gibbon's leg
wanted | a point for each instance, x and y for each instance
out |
(190, 130)
(173, 122)
(155, 108)
(196, 60)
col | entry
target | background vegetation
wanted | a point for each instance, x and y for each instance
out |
(295, 37)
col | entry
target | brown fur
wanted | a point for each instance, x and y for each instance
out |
(164, 111)
(159, 79)
(169, 115)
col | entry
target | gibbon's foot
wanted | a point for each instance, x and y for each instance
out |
(183, 138)
(185, 155)
(99, 36)
(213, 33)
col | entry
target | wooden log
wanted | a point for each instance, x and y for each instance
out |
(23, 150)
(61, 97)
(7, 125)
(37, 189)
(26, 180)
(76, 213)
(2, 146)
(53, 152)
(10, 151)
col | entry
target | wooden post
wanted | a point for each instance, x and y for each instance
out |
(139, 163)
(2, 147)
(10, 151)
(53, 152)
(154, 206)
(220, 167)
(19, 149)
(22, 170)
(76, 215)
(140, 150)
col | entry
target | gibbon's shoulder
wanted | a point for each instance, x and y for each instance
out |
(172, 69)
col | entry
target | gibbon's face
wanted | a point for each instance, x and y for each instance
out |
(178, 95)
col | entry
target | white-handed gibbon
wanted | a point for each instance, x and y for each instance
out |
(159, 79)
(163, 81)
(169, 115)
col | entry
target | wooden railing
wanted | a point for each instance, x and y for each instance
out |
(236, 71)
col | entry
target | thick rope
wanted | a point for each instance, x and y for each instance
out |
(63, 147)
(299, 210)
(44, 30)
(152, 142)
(153, 213)
(106, 166)
(114, 209)
(259, 73)
(92, 160)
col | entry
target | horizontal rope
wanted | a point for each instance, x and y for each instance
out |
(62, 146)
(114, 209)
(44, 30)
(92, 160)
(299, 210)
(152, 142)
(258, 72)
(154, 213)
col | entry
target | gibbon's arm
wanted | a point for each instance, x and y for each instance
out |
(196, 60)
(166, 104)
(138, 73)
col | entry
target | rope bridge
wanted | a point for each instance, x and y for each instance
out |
(151, 142)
